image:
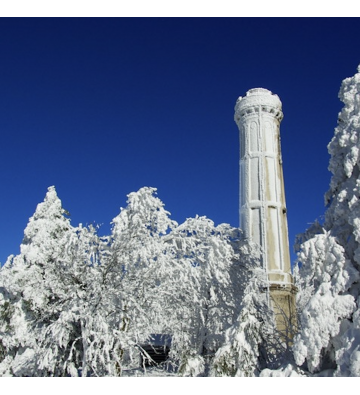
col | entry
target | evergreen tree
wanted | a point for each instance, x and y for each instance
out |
(323, 303)
(329, 257)
(27, 282)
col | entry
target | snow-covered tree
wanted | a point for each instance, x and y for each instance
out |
(329, 257)
(171, 278)
(139, 265)
(79, 339)
(240, 354)
(202, 256)
(179, 280)
(218, 267)
(343, 214)
(323, 279)
(73, 303)
(58, 313)
(26, 284)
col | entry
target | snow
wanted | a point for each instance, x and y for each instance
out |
(287, 371)
(328, 257)
(84, 305)
(76, 304)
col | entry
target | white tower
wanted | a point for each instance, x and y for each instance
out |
(262, 196)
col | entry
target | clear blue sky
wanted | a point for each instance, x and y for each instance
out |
(101, 107)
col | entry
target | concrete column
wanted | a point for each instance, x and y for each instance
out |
(262, 197)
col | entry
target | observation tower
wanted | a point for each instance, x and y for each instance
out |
(263, 216)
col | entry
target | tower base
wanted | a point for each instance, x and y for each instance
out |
(283, 302)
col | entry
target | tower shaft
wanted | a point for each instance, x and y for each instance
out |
(263, 215)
